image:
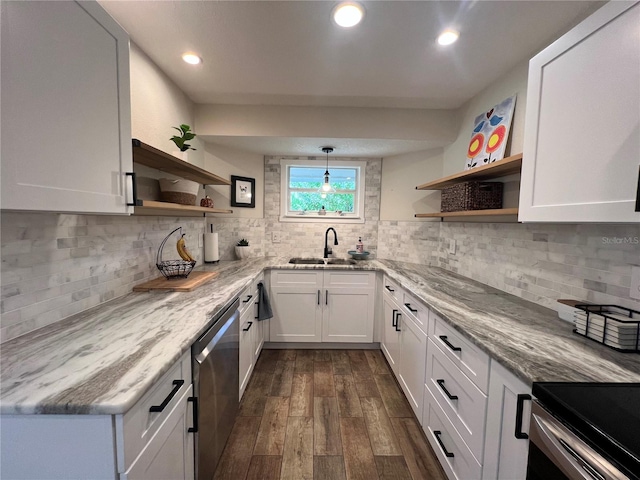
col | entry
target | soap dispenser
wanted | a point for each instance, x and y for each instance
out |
(359, 245)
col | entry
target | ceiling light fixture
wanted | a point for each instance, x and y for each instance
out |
(326, 185)
(448, 37)
(191, 58)
(348, 14)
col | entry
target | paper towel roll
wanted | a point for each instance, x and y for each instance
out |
(211, 247)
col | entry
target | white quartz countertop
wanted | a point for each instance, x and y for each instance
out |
(103, 360)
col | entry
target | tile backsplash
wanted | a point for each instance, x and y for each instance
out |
(57, 265)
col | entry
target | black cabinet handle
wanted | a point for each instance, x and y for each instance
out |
(638, 193)
(389, 288)
(249, 297)
(519, 434)
(408, 305)
(247, 329)
(448, 344)
(394, 320)
(397, 325)
(437, 433)
(134, 189)
(318, 297)
(326, 297)
(194, 429)
(444, 389)
(176, 387)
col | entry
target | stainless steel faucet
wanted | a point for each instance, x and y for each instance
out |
(327, 250)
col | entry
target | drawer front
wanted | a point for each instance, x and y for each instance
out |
(416, 310)
(467, 411)
(140, 424)
(473, 362)
(444, 439)
(296, 278)
(392, 288)
(346, 278)
(247, 298)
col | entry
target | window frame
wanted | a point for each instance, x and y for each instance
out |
(312, 217)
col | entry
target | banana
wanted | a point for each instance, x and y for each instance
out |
(182, 250)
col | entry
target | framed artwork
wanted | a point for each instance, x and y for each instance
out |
(490, 133)
(243, 191)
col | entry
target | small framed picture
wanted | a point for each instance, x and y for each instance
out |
(243, 190)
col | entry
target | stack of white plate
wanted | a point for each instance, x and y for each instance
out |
(619, 334)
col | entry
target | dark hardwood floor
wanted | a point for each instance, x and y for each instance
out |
(326, 415)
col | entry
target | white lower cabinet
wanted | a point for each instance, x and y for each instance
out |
(247, 347)
(455, 457)
(169, 453)
(390, 341)
(506, 439)
(413, 356)
(151, 441)
(316, 306)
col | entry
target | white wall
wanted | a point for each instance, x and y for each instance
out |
(226, 161)
(514, 82)
(157, 104)
(400, 175)
(438, 126)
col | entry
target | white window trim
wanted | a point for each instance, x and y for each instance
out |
(313, 217)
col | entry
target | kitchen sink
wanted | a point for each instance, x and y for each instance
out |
(306, 261)
(341, 261)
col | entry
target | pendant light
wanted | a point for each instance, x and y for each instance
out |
(326, 185)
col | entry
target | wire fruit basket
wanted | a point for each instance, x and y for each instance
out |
(173, 269)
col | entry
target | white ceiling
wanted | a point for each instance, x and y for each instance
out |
(266, 52)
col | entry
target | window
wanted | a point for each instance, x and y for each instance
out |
(301, 197)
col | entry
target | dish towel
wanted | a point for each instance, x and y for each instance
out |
(264, 307)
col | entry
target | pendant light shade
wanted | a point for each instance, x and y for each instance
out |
(326, 184)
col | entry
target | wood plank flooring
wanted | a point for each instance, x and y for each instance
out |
(326, 415)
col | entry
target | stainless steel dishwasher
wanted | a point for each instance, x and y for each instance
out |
(215, 380)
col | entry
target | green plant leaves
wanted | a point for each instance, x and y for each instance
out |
(185, 135)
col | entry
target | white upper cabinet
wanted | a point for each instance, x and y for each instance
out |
(581, 158)
(66, 114)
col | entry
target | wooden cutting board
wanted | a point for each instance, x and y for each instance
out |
(193, 281)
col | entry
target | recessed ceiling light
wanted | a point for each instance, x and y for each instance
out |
(191, 58)
(348, 14)
(448, 37)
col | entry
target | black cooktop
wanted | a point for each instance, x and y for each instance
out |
(606, 415)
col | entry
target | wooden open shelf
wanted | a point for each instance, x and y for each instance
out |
(152, 157)
(469, 213)
(150, 207)
(501, 168)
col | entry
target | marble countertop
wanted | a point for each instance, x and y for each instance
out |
(103, 360)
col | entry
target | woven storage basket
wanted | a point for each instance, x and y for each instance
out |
(179, 191)
(472, 196)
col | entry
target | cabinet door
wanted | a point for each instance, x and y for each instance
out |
(247, 326)
(66, 115)
(258, 330)
(348, 315)
(581, 150)
(297, 314)
(390, 343)
(505, 455)
(413, 358)
(169, 455)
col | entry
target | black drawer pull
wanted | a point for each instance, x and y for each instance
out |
(444, 389)
(449, 344)
(318, 297)
(134, 189)
(638, 194)
(394, 320)
(326, 297)
(397, 325)
(194, 429)
(408, 305)
(437, 433)
(247, 329)
(249, 297)
(177, 384)
(389, 288)
(520, 435)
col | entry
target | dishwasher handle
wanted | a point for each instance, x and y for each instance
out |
(206, 343)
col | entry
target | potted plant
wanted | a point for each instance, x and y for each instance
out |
(185, 135)
(242, 249)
